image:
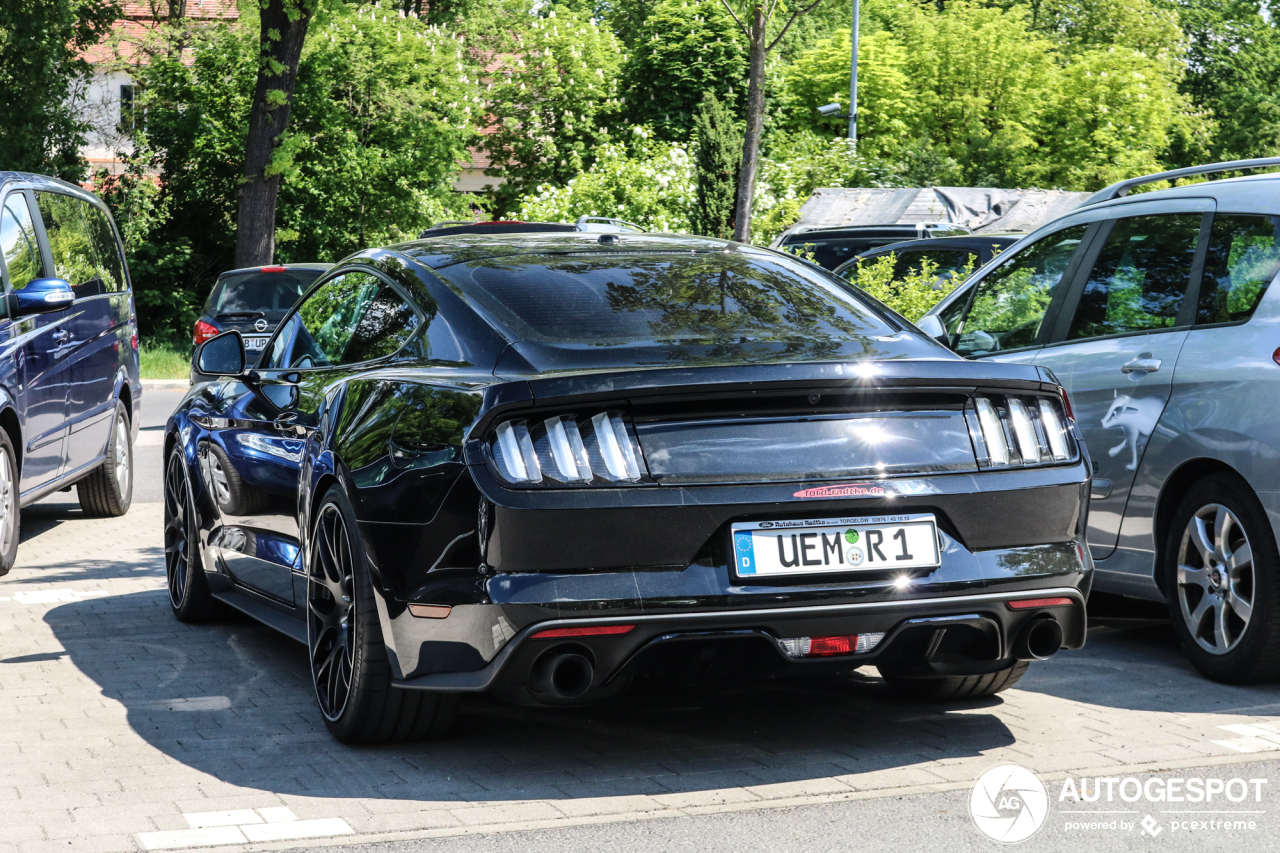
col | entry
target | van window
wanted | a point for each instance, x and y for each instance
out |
(82, 243)
(1244, 256)
(18, 242)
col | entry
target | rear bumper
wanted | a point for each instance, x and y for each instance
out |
(910, 627)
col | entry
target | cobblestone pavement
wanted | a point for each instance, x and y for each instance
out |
(126, 730)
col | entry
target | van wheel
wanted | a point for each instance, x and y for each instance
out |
(108, 491)
(942, 688)
(1222, 576)
(10, 516)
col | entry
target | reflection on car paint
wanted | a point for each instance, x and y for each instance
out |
(1136, 418)
(285, 448)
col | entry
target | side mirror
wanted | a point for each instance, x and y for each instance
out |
(41, 296)
(932, 326)
(222, 355)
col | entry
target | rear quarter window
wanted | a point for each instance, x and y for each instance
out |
(1243, 259)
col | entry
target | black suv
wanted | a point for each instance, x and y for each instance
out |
(252, 301)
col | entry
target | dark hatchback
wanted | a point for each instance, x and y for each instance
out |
(549, 465)
(252, 301)
(949, 255)
(832, 247)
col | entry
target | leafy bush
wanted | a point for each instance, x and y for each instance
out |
(915, 293)
(652, 186)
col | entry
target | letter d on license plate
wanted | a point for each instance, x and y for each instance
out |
(835, 545)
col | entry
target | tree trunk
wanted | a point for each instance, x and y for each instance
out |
(177, 10)
(755, 124)
(281, 46)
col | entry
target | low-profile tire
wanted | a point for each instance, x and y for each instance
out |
(108, 490)
(1222, 579)
(10, 516)
(232, 494)
(348, 659)
(189, 594)
(942, 688)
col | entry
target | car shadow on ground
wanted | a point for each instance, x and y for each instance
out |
(1132, 661)
(43, 518)
(234, 700)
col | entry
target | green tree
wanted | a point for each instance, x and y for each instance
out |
(1233, 74)
(552, 99)
(683, 51)
(718, 147)
(385, 108)
(42, 70)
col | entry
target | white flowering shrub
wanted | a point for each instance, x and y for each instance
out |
(652, 186)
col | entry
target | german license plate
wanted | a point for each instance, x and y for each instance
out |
(255, 342)
(834, 545)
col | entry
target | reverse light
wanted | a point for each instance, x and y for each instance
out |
(820, 647)
(567, 449)
(203, 332)
(1010, 430)
(593, 631)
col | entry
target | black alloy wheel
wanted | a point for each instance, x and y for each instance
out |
(189, 594)
(350, 668)
(329, 604)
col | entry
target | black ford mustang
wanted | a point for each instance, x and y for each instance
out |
(546, 464)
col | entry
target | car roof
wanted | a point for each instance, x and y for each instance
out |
(275, 268)
(46, 182)
(889, 230)
(440, 252)
(1246, 194)
(962, 241)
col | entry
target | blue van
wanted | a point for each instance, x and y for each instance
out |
(70, 393)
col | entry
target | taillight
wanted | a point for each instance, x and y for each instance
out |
(1275, 356)
(204, 331)
(1009, 430)
(567, 449)
(821, 647)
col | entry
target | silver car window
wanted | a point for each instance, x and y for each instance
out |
(1140, 278)
(1243, 258)
(1009, 305)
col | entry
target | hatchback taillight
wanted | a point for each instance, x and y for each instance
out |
(1015, 430)
(567, 449)
(204, 331)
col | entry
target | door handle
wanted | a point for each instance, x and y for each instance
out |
(286, 421)
(1142, 364)
(61, 336)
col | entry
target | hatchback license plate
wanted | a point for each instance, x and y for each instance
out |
(835, 545)
(255, 342)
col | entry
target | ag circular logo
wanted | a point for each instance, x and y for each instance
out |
(261, 325)
(1008, 803)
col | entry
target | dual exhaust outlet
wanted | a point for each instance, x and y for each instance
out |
(1039, 639)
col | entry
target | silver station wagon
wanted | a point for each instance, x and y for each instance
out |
(1155, 311)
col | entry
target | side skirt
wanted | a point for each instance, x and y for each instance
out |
(273, 617)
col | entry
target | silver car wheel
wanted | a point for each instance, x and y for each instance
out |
(7, 503)
(221, 490)
(123, 469)
(1215, 579)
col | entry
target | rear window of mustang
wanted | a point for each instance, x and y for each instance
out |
(686, 298)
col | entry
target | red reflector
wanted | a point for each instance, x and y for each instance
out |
(430, 611)
(597, 631)
(273, 269)
(822, 646)
(1028, 603)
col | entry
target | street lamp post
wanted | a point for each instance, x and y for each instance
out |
(853, 81)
